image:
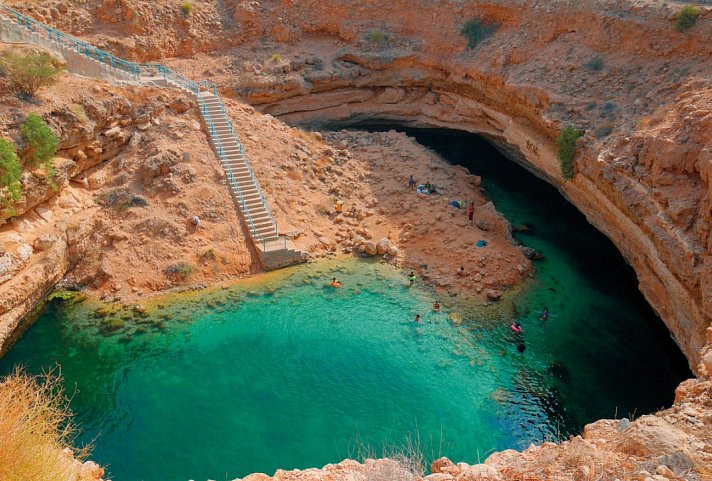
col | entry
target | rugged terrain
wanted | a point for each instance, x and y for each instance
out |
(616, 69)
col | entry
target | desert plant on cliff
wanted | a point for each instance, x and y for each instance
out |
(42, 144)
(276, 58)
(376, 36)
(567, 150)
(26, 73)
(476, 30)
(121, 199)
(181, 270)
(10, 170)
(186, 8)
(36, 430)
(686, 17)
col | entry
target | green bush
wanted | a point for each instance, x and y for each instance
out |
(686, 17)
(10, 171)
(376, 36)
(476, 30)
(42, 143)
(567, 150)
(276, 58)
(186, 8)
(27, 73)
(182, 270)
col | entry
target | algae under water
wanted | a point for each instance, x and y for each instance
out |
(285, 372)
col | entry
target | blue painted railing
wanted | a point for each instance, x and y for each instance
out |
(152, 71)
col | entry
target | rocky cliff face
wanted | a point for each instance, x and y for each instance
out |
(640, 90)
(643, 101)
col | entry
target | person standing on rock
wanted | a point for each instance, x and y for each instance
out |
(471, 211)
(411, 182)
(412, 278)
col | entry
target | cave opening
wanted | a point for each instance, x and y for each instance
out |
(613, 330)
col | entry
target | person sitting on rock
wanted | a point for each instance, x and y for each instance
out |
(335, 283)
(462, 272)
(436, 306)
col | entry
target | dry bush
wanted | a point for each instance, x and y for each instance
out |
(399, 463)
(36, 432)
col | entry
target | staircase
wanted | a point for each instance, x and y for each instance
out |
(274, 250)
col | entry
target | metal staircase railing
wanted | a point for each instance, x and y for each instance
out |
(147, 72)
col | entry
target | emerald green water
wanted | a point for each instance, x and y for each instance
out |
(288, 373)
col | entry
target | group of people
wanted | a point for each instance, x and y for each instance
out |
(431, 189)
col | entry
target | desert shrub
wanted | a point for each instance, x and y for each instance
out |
(181, 270)
(27, 73)
(594, 65)
(35, 428)
(121, 199)
(686, 18)
(208, 255)
(42, 143)
(376, 36)
(590, 106)
(276, 57)
(567, 150)
(476, 30)
(186, 8)
(10, 171)
(604, 129)
(403, 462)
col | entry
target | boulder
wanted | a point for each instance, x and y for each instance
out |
(393, 251)
(370, 248)
(444, 466)
(92, 470)
(257, 477)
(181, 104)
(493, 294)
(44, 242)
(382, 246)
(97, 180)
(651, 436)
(478, 472)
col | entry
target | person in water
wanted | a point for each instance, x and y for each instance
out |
(521, 347)
(436, 306)
(335, 283)
(412, 278)
(544, 314)
(516, 327)
(417, 318)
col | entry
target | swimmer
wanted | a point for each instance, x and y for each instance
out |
(417, 318)
(544, 314)
(436, 306)
(516, 327)
(412, 278)
(335, 283)
(521, 347)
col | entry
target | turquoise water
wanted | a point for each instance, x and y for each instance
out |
(287, 373)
